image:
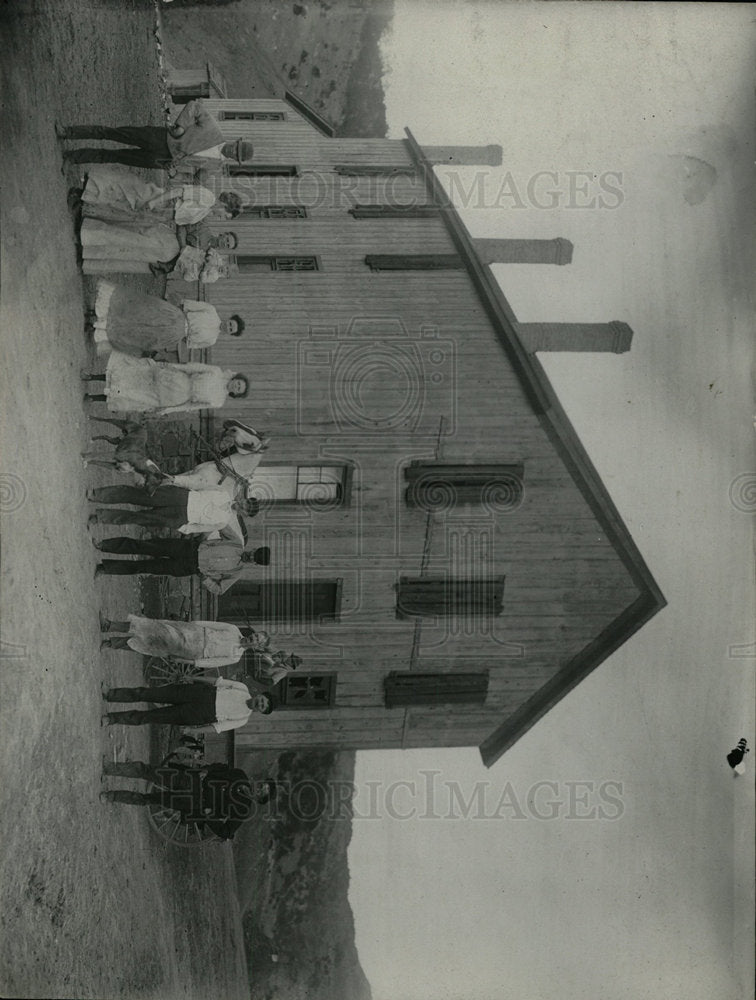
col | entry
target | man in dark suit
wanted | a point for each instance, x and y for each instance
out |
(218, 796)
(194, 145)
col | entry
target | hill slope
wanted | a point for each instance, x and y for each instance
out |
(325, 53)
(298, 927)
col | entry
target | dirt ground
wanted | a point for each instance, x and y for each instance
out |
(92, 903)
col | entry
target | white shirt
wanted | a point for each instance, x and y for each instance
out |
(213, 153)
(207, 510)
(202, 323)
(231, 710)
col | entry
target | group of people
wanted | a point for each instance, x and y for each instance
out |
(130, 225)
(204, 505)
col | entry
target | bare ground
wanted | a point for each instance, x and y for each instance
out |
(92, 904)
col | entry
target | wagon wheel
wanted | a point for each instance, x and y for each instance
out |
(163, 670)
(169, 824)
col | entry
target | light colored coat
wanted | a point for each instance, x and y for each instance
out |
(201, 132)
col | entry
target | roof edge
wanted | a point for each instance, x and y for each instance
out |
(553, 418)
(538, 388)
(575, 670)
(310, 114)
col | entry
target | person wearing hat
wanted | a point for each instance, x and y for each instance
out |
(193, 143)
(191, 512)
(206, 704)
(218, 796)
(219, 561)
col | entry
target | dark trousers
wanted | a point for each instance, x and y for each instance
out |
(171, 556)
(184, 705)
(150, 141)
(175, 787)
(167, 506)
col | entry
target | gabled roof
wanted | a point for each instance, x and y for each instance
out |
(310, 114)
(555, 422)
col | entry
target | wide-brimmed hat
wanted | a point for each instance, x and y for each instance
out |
(244, 150)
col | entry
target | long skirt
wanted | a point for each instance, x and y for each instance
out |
(114, 193)
(155, 637)
(135, 323)
(105, 246)
(143, 385)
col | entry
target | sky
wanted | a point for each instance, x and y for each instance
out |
(640, 886)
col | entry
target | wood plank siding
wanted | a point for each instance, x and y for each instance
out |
(376, 370)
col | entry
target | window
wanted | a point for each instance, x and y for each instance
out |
(394, 211)
(317, 486)
(261, 170)
(429, 596)
(435, 487)
(361, 170)
(252, 116)
(274, 211)
(434, 689)
(414, 262)
(307, 690)
(280, 600)
(248, 263)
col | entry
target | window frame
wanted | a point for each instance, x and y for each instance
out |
(254, 170)
(450, 609)
(378, 262)
(300, 706)
(344, 500)
(398, 688)
(376, 170)
(427, 211)
(242, 115)
(480, 476)
(258, 212)
(272, 260)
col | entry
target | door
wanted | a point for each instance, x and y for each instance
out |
(280, 601)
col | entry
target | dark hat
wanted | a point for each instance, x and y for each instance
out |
(244, 150)
(262, 556)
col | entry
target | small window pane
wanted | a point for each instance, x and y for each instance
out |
(309, 473)
(317, 492)
(331, 474)
(274, 483)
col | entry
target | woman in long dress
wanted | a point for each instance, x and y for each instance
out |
(128, 223)
(204, 643)
(161, 387)
(135, 323)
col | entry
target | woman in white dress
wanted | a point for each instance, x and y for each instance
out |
(128, 223)
(160, 387)
(204, 643)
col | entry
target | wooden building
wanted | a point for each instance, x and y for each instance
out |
(445, 557)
